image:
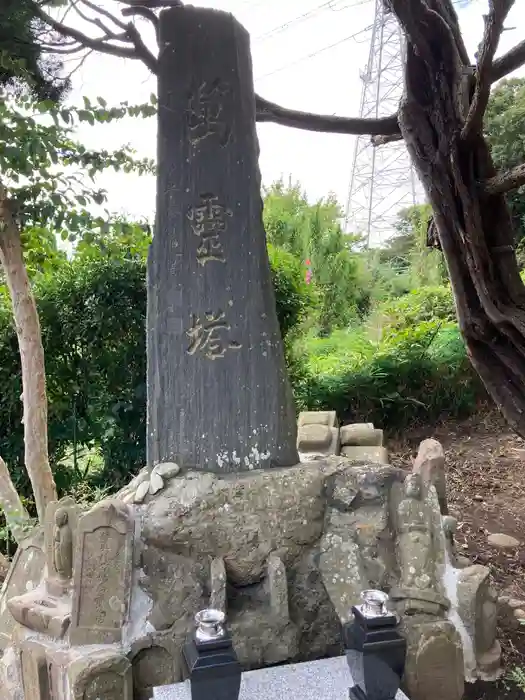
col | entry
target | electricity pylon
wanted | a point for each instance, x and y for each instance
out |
(383, 180)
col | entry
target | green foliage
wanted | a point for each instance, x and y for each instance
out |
(419, 306)
(504, 120)
(313, 235)
(293, 297)
(23, 64)
(407, 252)
(49, 175)
(417, 376)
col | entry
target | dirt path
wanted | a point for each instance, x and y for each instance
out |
(486, 492)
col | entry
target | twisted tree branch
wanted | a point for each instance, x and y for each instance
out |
(136, 50)
(145, 13)
(509, 62)
(505, 181)
(493, 30)
(270, 112)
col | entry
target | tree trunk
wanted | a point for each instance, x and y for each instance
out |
(475, 230)
(32, 359)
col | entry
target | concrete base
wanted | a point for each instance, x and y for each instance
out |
(328, 679)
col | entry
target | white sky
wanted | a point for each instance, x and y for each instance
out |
(327, 82)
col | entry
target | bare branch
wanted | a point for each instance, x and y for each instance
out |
(146, 14)
(505, 181)
(493, 29)
(509, 62)
(137, 49)
(105, 13)
(108, 33)
(152, 3)
(271, 112)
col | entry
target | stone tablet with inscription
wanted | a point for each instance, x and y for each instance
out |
(218, 394)
(102, 574)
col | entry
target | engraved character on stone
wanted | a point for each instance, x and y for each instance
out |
(415, 545)
(208, 221)
(205, 113)
(211, 335)
(63, 544)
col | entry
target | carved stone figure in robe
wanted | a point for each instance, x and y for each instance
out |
(63, 545)
(415, 544)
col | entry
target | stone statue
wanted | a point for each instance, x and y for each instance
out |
(63, 545)
(415, 545)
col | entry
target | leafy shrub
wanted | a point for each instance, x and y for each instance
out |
(414, 376)
(419, 306)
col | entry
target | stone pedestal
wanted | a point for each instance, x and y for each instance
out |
(218, 395)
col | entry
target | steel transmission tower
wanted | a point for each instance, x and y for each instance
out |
(383, 180)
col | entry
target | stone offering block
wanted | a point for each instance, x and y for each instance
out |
(318, 440)
(327, 418)
(372, 455)
(102, 574)
(362, 435)
(219, 399)
(26, 573)
(328, 679)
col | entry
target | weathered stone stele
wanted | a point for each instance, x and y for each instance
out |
(218, 395)
(102, 571)
(25, 574)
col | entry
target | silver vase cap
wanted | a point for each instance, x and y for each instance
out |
(374, 603)
(210, 625)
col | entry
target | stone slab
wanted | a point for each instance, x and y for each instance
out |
(219, 398)
(102, 574)
(25, 574)
(328, 679)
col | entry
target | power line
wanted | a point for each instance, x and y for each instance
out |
(296, 20)
(315, 53)
(329, 5)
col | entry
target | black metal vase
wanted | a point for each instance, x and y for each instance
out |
(375, 650)
(213, 667)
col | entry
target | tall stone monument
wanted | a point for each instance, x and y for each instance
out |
(219, 398)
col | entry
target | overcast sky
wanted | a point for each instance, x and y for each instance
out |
(304, 57)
